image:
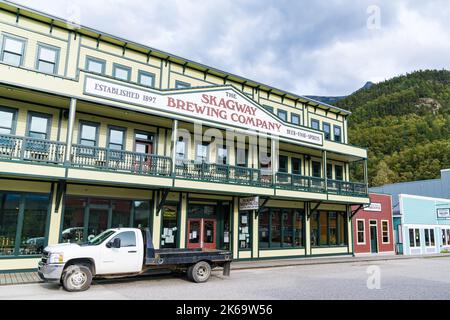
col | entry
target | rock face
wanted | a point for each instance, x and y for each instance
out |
(429, 104)
(333, 100)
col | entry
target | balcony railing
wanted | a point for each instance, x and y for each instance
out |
(120, 161)
(297, 182)
(31, 149)
(51, 152)
(211, 172)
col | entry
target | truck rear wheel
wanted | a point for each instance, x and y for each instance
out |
(199, 272)
(77, 278)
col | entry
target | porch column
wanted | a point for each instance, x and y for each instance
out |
(235, 227)
(55, 216)
(174, 144)
(70, 126)
(325, 173)
(366, 176)
(274, 152)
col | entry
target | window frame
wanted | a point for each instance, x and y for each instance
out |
(292, 165)
(246, 154)
(149, 74)
(57, 50)
(269, 109)
(335, 172)
(292, 119)
(326, 124)
(182, 85)
(15, 113)
(315, 121)
(108, 139)
(312, 168)
(94, 59)
(121, 66)
(286, 159)
(4, 37)
(340, 133)
(97, 132)
(280, 112)
(49, 118)
(204, 144)
(387, 231)
(363, 231)
(219, 147)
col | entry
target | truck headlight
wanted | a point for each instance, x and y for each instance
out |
(56, 258)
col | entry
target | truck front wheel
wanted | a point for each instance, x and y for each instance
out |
(77, 278)
(199, 272)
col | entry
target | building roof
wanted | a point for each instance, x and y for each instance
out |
(54, 21)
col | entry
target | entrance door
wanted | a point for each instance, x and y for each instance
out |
(202, 234)
(144, 145)
(169, 237)
(373, 238)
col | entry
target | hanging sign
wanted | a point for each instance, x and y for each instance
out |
(247, 204)
(443, 213)
(374, 206)
(222, 105)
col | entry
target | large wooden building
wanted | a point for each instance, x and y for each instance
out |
(98, 132)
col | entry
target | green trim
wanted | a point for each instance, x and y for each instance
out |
(147, 74)
(124, 68)
(95, 60)
(17, 270)
(294, 256)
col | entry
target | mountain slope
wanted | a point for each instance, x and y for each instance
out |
(405, 124)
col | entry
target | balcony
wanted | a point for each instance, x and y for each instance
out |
(36, 151)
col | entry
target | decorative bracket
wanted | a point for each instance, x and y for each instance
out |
(163, 201)
(262, 206)
(356, 211)
(60, 191)
(315, 208)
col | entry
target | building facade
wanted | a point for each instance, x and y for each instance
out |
(372, 226)
(99, 132)
(422, 225)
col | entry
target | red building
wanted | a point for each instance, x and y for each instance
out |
(372, 226)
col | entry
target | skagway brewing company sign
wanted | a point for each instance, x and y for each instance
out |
(224, 106)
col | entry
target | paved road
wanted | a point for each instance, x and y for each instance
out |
(399, 279)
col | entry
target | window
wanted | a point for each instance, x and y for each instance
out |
(317, 169)
(222, 155)
(121, 72)
(127, 239)
(281, 228)
(283, 164)
(95, 65)
(241, 157)
(328, 228)
(327, 130)
(329, 171)
(263, 226)
(337, 134)
(116, 138)
(445, 237)
(121, 213)
(429, 238)
(339, 172)
(245, 230)
(8, 118)
(315, 229)
(315, 124)
(265, 162)
(298, 228)
(47, 59)
(201, 152)
(181, 151)
(146, 79)
(414, 238)
(360, 229)
(88, 134)
(182, 85)
(39, 125)
(296, 166)
(282, 115)
(295, 119)
(23, 223)
(141, 214)
(268, 108)
(275, 228)
(13, 50)
(385, 231)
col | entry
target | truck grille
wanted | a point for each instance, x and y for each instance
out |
(45, 255)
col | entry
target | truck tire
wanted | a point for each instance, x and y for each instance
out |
(77, 278)
(199, 272)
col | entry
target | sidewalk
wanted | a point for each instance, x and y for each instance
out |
(32, 277)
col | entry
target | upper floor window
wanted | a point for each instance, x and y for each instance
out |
(327, 130)
(329, 171)
(95, 65)
(339, 172)
(181, 150)
(282, 115)
(88, 134)
(13, 50)
(315, 124)
(39, 125)
(268, 108)
(296, 166)
(295, 119)
(116, 138)
(222, 155)
(337, 134)
(47, 59)
(121, 72)
(182, 85)
(241, 157)
(146, 79)
(316, 169)
(8, 120)
(201, 152)
(283, 164)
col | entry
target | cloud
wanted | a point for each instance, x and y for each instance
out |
(320, 47)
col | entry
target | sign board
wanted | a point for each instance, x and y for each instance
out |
(221, 105)
(374, 206)
(443, 213)
(246, 204)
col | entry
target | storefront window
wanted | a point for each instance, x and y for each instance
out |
(448, 237)
(414, 238)
(360, 231)
(121, 214)
(323, 226)
(141, 214)
(328, 229)
(287, 229)
(264, 228)
(342, 229)
(332, 220)
(385, 231)
(298, 228)
(315, 229)
(244, 230)
(275, 229)
(27, 213)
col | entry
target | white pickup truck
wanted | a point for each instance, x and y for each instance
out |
(121, 253)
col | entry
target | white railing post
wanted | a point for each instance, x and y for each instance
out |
(70, 126)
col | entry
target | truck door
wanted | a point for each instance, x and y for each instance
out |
(126, 259)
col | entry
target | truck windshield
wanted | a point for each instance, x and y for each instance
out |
(100, 238)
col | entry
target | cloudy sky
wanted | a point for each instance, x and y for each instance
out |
(329, 47)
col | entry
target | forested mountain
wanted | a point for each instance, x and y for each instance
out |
(405, 124)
